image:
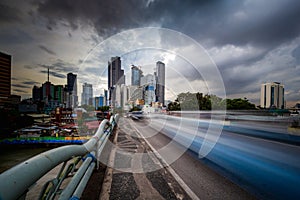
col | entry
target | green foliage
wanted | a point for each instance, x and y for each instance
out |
(239, 104)
(135, 108)
(198, 101)
(103, 108)
(88, 107)
(174, 106)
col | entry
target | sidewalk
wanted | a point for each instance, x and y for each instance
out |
(137, 172)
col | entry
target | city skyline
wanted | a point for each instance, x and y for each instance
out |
(241, 38)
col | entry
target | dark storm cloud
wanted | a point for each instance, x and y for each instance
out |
(29, 67)
(47, 50)
(20, 91)
(296, 54)
(31, 83)
(60, 66)
(106, 16)
(58, 69)
(8, 14)
(231, 22)
(20, 86)
(55, 74)
(15, 36)
(223, 22)
(264, 26)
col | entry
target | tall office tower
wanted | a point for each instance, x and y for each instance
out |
(47, 91)
(87, 94)
(36, 93)
(72, 90)
(124, 96)
(99, 101)
(160, 82)
(72, 83)
(130, 91)
(105, 97)
(149, 85)
(115, 77)
(5, 77)
(272, 95)
(59, 93)
(117, 96)
(136, 75)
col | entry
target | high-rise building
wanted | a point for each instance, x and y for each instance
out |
(135, 93)
(117, 96)
(99, 101)
(124, 96)
(149, 85)
(136, 75)
(160, 82)
(87, 94)
(5, 77)
(105, 97)
(72, 90)
(115, 77)
(272, 95)
(59, 93)
(72, 83)
(36, 93)
(47, 91)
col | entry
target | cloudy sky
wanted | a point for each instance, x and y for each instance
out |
(208, 46)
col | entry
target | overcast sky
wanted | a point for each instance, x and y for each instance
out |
(249, 42)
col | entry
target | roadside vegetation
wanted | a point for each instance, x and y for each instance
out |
(198, 101)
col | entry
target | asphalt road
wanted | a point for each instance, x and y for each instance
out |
(204, 182)
(225, 165)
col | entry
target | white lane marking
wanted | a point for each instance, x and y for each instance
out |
(170, 169)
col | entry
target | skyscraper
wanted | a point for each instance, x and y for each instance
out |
(272, 95)
(5, 76)
(72, 90)
(72, 83)
(105, 97)
(160, 82)
(136, 74)
(87, 94)
(115, 77)
(149, 85)
(36, 93)
(47, 91)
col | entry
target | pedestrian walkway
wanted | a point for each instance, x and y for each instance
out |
(136, 172)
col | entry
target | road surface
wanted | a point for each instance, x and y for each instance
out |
(268, 169)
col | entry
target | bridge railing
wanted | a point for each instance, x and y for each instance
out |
(16, 182)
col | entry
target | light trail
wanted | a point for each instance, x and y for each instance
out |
(266, 167)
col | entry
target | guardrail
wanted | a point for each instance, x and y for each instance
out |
(16, 182)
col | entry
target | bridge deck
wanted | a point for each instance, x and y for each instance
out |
(135, 173)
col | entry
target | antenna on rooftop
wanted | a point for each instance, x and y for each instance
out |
(48, 74)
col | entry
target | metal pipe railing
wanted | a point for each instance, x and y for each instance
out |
(14, 183)
(81, 186)
(68, 191)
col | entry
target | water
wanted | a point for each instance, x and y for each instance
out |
(11, 155)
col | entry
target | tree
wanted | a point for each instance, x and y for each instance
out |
(88, 107)
(173, 106)
(188, 101)
(135, 108)
(103, 108)
(239, 104)
(198, 101)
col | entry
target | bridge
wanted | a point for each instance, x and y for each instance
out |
(168, 157)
